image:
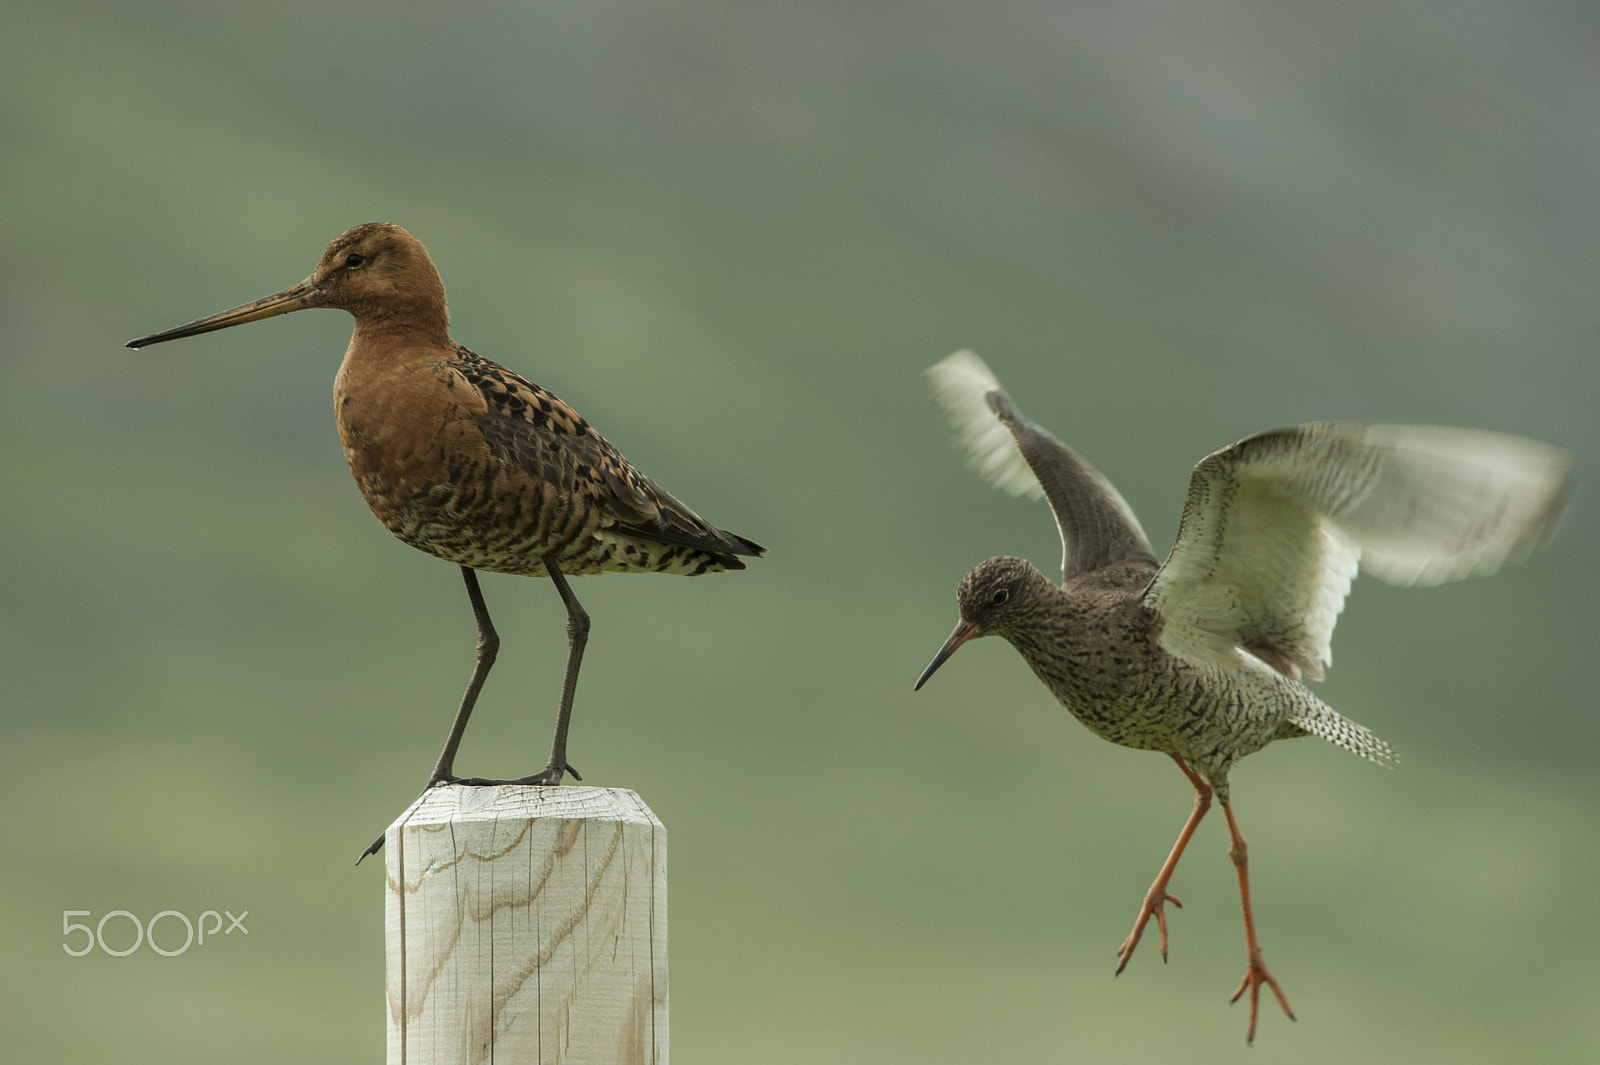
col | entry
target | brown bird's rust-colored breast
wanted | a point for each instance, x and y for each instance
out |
(466, 460)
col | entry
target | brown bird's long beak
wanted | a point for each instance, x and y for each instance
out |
(965, 630)
(295, 298)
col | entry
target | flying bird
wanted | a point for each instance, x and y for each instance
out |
(1202, 657)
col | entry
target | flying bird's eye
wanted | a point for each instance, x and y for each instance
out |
(999, 598)
(354, 259)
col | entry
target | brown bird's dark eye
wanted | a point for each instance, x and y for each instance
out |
(1000, 597)
(354, 259)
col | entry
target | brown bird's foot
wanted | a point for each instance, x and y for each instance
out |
(550, 777)
(1254, 977)
(1154, 905)
(372, 848)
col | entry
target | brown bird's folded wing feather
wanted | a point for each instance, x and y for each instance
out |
(530, 429)
(644, 508)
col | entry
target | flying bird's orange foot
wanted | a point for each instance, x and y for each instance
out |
(1254, 977)
(1155, 901)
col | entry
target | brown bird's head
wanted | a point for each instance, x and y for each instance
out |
(378, 272)
(993, 598)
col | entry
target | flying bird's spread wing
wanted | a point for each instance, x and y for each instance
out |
(1097, 526)
(1276, 525)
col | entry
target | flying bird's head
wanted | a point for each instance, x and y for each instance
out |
(994, 599)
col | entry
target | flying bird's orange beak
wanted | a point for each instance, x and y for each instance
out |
(965, 630)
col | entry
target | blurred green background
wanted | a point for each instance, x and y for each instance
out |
(733, 235)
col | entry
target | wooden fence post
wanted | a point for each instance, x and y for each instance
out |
(529, 924)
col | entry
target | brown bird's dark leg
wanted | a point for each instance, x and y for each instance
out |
(1256, 974)
(488, 648)
(577, 638)
(488, 644)
(1156, 898)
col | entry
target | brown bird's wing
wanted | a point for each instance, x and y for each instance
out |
(1276, 525)
(529, 428)
(1097, 526)
(645, 509)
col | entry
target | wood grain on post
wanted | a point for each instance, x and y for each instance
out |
(528, 924)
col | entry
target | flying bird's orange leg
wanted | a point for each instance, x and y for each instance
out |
(1257, 974)
(1156, 898)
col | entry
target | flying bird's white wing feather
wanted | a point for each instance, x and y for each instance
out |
(1275, 526)
(961, 383)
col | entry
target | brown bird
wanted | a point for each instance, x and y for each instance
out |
(463, 459)
(1201, 657)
